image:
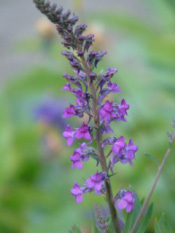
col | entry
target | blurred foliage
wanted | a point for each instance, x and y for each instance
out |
(35, 184)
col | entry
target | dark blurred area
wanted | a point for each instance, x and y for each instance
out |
(35, 170)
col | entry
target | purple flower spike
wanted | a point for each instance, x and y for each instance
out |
(127, 201)
(69, 112)
(69, 134)
(77, 192)
(76, 159)
(83, 132)
(96, 181)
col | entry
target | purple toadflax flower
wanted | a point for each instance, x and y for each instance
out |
(83, 132)
(69, 134)
(126, 201)
(122, 152)
(96, 181)
(69, 112)
(77, 192)
(81, 154)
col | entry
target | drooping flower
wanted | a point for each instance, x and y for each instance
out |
(69, 134)
(77, 192)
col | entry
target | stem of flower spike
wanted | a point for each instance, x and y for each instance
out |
(102, 158)
(153, 187)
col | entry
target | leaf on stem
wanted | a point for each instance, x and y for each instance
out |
(153, 158)
(75, 229)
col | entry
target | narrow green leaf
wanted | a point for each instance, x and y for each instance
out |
(167, 227)
(147, 219)
(153, 158)
(111, 228)
(128, 223)
(157, 227)
(161, 223)
(76, 229)
(113, 174)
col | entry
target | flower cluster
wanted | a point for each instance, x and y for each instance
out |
(90, 89)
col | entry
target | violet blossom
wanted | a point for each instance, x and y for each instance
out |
(127, 201)
(83, 132)
(96, 181)
(69, 134)
(77, 192)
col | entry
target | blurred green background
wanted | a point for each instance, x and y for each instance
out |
(35, 170)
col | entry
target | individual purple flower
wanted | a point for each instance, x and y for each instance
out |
(83, 132)
(77, 192)
(67, 87)
(96, 181)
(80, 154)
(106, 128)
(69, 134)
(112, 87)
(127, 201)
(131, 149)
(119, 145)
(106, 112)
(107, 76)
(123, 107)
(109, 73)
(69, 112)
(122, 152)
(76, 159)
(85, 152)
